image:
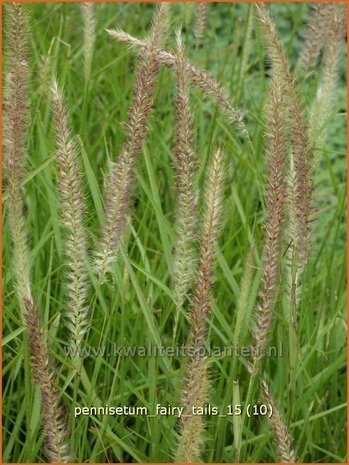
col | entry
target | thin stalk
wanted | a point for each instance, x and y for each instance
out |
(237, 423)
(246, 48)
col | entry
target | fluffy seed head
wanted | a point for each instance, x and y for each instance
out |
(16, 115)
(121, 173)
(89, 20)
(200, 23)
(282, 437)
(186, 169)
(196, 384)
(302, 154)
(323, 102)
(316, 34)
(275, 205)
(72, 208)
(53, 421)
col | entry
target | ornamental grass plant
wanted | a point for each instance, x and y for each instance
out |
(174, 233)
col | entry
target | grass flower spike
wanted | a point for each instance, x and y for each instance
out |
(282, 436)
(323, 102)
(316, 33)
(299, 203)
(89, 20)
(196, 383)
(300, 179)
(275, 205)
(72, 216)
(16, 116)
(54, 421)
(201, 13)
(186, 169)
(301, 151)
(121, 173)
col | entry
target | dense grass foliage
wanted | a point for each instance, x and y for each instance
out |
(137, 305)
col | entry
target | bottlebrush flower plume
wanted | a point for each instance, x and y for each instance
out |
(316, 34)
(72, 208)
(196, 382)
(121, 173)
(323, 101)
(282, 437)
(89, 21)
(275, 205)
(54, 421)
(16, 116)
(201, 16)
(301, 151)
(186, 169)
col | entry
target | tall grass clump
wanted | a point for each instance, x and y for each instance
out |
(195, 382)
(72, 208)
(121, 172)
(16, 115)
(187, 197)
(182, 287)
(323, 102)
(89, 22)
